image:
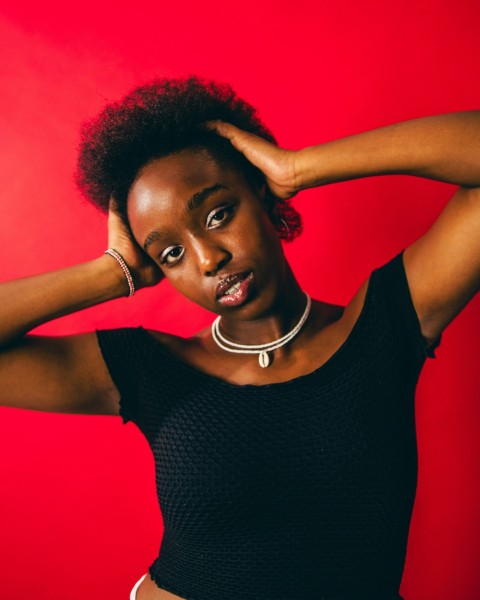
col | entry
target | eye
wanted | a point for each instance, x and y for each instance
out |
(218, 216)
(171, 255)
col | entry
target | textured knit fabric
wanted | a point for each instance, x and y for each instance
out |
(300, 490)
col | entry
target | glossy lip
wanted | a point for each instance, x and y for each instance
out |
(226, 283)
(240, 296)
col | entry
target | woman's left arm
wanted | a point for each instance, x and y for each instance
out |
(442, 147)
(443, 265)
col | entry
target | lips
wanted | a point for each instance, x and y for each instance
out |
(227, 283)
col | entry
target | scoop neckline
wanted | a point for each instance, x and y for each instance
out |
(320, 370)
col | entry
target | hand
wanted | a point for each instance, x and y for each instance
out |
(277, 164)
(143, 269)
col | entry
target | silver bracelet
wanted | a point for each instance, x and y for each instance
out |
(119, 258)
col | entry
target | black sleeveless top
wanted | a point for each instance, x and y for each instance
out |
(301, 490)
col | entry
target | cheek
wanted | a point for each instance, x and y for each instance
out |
(184, 280)
(194, 293)
(255, 225)
(264, 235)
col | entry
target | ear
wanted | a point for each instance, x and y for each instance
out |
(268, 201)
(262, 193)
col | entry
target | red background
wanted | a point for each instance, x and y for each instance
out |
(79, 513)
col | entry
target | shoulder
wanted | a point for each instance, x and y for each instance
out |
(165, 339)
(358, 300)
(174, 343)
(353, 309)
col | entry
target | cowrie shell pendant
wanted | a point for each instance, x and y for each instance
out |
(264, 359)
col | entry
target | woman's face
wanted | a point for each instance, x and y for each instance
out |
(207, 229)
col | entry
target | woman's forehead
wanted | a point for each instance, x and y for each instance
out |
(173, 185)
(176, 177)
(184, 168)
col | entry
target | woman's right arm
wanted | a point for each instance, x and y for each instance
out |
(65, 373)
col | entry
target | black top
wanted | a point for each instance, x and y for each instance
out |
(301, 490)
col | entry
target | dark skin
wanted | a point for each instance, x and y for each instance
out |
(238, 236)
(229, 232)
(67, 374)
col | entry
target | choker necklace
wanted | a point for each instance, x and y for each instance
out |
(261, 349)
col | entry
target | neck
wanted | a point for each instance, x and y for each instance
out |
(281, 317)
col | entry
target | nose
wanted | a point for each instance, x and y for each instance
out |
(211, 257)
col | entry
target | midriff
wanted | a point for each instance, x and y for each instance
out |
(149, 590)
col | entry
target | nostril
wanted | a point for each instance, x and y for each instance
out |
(222, 263)
(218, 266)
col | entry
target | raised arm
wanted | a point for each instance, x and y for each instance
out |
(64, 373)
(442, 147)
(443, 266)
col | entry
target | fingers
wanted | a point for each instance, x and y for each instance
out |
(239, 138)
(113, 204)
(256, 149)
(277, 164)
(221, 127)
(118, 226)
(114, 212)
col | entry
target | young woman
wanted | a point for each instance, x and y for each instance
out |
(283, 435)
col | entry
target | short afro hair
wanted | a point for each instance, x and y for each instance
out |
(158, 119)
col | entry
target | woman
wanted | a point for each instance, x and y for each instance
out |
(283, 435)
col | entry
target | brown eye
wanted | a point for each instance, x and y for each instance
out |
(218, 216)
(171, 255)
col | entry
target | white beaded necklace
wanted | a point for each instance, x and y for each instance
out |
(261, 349)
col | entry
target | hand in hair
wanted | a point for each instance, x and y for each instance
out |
(277, 164)
(144, 271)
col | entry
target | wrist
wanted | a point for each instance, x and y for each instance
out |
(310, 168)
(113, 276)
(144, 275)
(125, 269)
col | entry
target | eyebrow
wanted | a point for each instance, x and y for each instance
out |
(193, 203)
(199, 197)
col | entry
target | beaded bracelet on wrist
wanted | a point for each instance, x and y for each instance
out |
(119, 258)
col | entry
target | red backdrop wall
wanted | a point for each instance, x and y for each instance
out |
(78, 505)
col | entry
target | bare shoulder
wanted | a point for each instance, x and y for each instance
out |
(329, 326)
(354, 307)
(192, 350)
(169, 340)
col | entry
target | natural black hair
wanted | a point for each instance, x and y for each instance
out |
(158, 119)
